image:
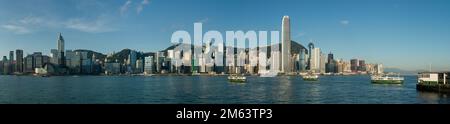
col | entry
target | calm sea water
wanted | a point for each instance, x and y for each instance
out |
(204, 89)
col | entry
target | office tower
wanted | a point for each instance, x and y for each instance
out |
(28, 64)
(132, 58)
(354, 65)
(315, 60)
(85, 62)
(331, 64)
(11, 62)
(37, 60)
(5, 65)
(159, 60)
(340, 66)
(286, 45)
(322, 63)
(302, 60)
(274, 61)
(73, 61)
(19, 60)
(61, 57)
(11, 56)
(362, 65)
(310, 47)
(60, 43)
(112, 68)
(148, 65)
(330, 57)
(139, 66)
(54, 56)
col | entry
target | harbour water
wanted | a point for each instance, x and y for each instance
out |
(209, 90)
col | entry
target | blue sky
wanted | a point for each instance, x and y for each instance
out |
(405, 34)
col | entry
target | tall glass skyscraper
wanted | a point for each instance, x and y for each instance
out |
(61, 58)
(19, 60)
(285, 45)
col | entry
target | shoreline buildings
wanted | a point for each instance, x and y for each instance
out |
(293, 58)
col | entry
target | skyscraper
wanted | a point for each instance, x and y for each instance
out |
(354, 65)
(311, 47)
(37, 60)
(285, 45)
(362, 65)
(331, 64)
(28, 64)
(19, 60)
(5, 65)
(11, 61)
(302, 60)
(322, 63)
(330, 57)
(61, 58)
(11, 56)
(315, 60)
(148, 65)
(60, 43)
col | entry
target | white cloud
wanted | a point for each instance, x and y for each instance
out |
(98, 25)
(32, 24)
(31, 20)
(125, 6)
(16, 29)
(345, 22)
(25, 25)
(142, 5)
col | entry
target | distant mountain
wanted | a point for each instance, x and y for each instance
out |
(123, 54)
(98, 55)
(295, 47)
(401, 71)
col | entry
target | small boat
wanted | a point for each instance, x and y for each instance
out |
(237, 78)
(310, 77)
(387, 79)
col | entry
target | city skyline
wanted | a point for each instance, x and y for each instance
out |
(407, 35)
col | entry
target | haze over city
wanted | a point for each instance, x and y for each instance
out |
(402, 34)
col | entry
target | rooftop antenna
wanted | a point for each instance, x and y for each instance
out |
(430, 67)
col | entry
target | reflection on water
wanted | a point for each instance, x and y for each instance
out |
(431, 97)
(205, 89)
(284, 90)
(314, 91)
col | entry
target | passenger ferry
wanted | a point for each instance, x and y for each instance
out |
(387, 79)
(310, 77)
(237, 78)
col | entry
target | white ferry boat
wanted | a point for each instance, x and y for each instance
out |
(310, 77)
(237, 78)
(387, 79)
